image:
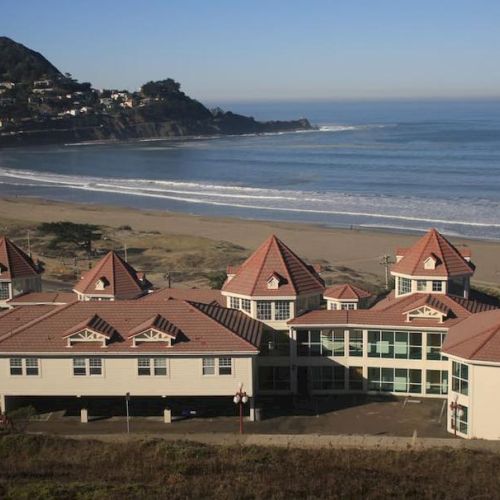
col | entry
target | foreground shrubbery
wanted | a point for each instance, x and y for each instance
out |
(39, 467)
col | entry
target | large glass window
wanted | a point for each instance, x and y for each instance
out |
(328, 378)
(356, 343)
(274, 378)
(394, 380)
(404, 286)
(281, 310)
(460, 378)
(275, 343)
(320, 342)
(460, 419)
(348, 306)
(436, 382)
(264, 310)
(399, 345)
(434, 343)
(4, 291)
(356, 378)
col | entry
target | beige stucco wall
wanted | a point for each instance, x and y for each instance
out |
(120, 376)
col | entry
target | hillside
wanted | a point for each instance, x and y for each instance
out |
(40, 105)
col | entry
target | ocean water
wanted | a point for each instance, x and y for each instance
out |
(398, 165)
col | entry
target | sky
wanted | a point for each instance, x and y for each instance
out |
(222, 50)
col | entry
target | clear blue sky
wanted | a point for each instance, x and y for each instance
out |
(274, 49)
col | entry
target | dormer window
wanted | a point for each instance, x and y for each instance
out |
(2, 269)
(94, 329)
(152, 336)
(273, 282)
(155, 329)
(431, 262)
(101, 283)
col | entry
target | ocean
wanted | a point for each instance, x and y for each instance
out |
(397, 165)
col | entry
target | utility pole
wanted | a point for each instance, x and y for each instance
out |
(386, 262)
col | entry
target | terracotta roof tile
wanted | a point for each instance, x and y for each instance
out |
(33, 298)
(346, 292)
(14, 263)
(120, 278)
(205, 296)
(450, 262)
(273, 256)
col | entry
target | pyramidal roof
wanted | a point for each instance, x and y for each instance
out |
(273, 259)
(346, 292)
(14, 263)
(448, 261)
(112, 277)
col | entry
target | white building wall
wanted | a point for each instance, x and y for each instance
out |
(184, 378)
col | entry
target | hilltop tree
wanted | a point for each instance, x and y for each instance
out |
(161, 88)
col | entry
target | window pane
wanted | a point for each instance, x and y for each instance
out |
(95, 366)
(208, 366)
(16, 366)
(246, 305)
(160, 366)
(79, 366)
(263, 310)
(234, 302)
(31, 366)
(356, 343)
(339, 343)
(143, 367)
(326, 342)
(282, 310)
(225, 366)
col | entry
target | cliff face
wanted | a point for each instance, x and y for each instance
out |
(58, 109)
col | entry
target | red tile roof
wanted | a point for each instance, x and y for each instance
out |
(477, 338)
(346, 292)
(14, 263)
(201, 328)
(94, 323)
(13, 319)
(156, 322)
(450, 261)
(391, 312)
(273, 256)
(121, 280)
(33, 298)
(204, 296)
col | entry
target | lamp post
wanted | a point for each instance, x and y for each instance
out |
(457, 412)
(240, 399)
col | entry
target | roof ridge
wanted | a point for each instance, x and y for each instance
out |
(278, 242)
(270, 239)
(440, 245)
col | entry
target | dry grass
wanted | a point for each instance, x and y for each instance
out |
(55, 468)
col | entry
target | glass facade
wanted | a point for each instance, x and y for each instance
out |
(434, 342)
(394, 380)
(396, 345)
(460, 378)
(274, 378)
(436, 382)
(275, 343)
(328, 378)
(321, 342)
(356, 343)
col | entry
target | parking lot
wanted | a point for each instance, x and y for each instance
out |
(347, 415)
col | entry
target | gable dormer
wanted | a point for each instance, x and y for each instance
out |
(428, 309)
(273, 282)
(156, 329)
(2, 268)
(102, 283)
(93, 330)
(431, 262)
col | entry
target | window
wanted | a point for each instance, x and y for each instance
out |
(87, 366)
(246, 305)
(225, 366)
(151, 366)
(404, 286)
(143, 367)
(434, 343)
(16, 366)
(264, 310)
(421, 285)
(208, 366)
(460, 378)
(394, 380)
(394, 345)
(356, 343)
(31, 366)
(274, 378)
(281, 310)
(275, 343)
(160, 366)
(436, 382)
(79, 367)
(355, 378)
(4, 290)
(462, 416)
(234, 302)
(348, 306)
(320, 343)
(437, 286)
(326, 378)
(333, 306)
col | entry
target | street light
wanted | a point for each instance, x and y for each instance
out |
(240, 399)
(458, 411)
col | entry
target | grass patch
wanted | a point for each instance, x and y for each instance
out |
(50, 467)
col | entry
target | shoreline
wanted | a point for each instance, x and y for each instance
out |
(358, 248)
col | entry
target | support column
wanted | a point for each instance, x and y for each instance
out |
(167, 416)
(84, 416)
(3, 407)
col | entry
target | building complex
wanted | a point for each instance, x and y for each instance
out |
(274, 327)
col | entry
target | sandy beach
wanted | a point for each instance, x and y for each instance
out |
(356, 249)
